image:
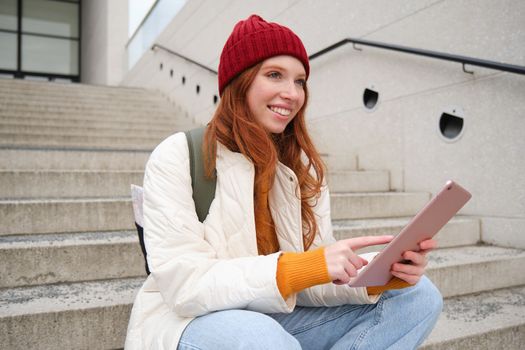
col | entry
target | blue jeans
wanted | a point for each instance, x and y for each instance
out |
(401, 319)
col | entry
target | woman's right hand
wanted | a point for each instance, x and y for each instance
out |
(341, 260)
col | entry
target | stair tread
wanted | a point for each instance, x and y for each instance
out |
(384, 222)
(74, 148)
(71, 149)
(476, 314)
(64, 200)
(376, 194)
(145, 126)
(381, 223)
(81, 136)
(64, 297)
(454, 256)
(344, 171)
(69, 171)
(67, 239)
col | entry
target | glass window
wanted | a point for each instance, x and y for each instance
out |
(8, 44)
(49, 55)
(50, 17)
(8, 14)
(137, 11)
(162, 13)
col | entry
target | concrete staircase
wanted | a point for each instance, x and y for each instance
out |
(70, 258)
(71, 261)
(483, 286)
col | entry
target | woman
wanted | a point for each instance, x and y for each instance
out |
(263, 271)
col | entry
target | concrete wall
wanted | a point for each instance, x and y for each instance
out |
(104, 36)
(401, 134)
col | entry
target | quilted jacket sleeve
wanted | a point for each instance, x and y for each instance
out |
(191, 278)
(330, 294)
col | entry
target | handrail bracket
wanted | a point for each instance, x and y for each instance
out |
(465, 70)
(356, 47)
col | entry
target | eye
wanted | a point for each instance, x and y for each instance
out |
(274, 75)
(301, 82)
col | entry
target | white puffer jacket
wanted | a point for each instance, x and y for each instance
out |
(199, 267)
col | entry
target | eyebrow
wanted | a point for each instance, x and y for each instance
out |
(302, 75)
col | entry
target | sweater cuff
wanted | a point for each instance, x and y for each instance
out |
(298, 271)
(394, 283)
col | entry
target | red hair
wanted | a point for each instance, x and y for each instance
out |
(234, 126)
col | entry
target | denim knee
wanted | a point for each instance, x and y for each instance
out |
(237, 329)
(428, 296)
(260, 331)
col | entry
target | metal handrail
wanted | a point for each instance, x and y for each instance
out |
(155, 46)
(434, 54)
(427, 53)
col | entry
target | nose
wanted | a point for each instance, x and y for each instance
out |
(291, 91)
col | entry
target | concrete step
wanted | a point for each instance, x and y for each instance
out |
(84, 121)
(56, 258)
(47, 90)
(81, 103)
(86, 315)
(45, 96)
(460, 231)
(67, 184)
(346, 161)
(358, 181)
(489, 320)
(35, 98)
(65, 215)
(472, 269)
(65, 90)
(76, 314)
(84, 131)
(68, 141)
(376, 205)
(164, 116)
(94, 214)
(72, 159)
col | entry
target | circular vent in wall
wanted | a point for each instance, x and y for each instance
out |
(370, 97)
(451, 124)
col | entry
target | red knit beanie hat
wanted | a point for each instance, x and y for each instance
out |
(254, 40)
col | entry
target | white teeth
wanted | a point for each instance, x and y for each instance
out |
(281, 111)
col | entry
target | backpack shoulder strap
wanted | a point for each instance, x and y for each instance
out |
(203, 188)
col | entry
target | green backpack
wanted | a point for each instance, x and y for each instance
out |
(203, 188)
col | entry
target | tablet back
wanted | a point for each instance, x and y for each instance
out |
(423, 226)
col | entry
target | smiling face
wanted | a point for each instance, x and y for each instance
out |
(277, 92)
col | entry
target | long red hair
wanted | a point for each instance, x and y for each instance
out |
(234, 126)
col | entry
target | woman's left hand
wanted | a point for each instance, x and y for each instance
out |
(414, 268)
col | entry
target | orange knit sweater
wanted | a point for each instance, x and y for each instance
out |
(296, 271)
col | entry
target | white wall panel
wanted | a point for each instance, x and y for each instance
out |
(492, 30)
(488, 158)
(401, 133)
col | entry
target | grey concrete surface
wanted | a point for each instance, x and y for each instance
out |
(489, 320)
(71, 159)
(61, 258)
(68, 141)
(67, 184)
(460, 231)
(88, 315)
(472, 269)
(358, 181)
(376, 205)
(86, 122)
(65, 215)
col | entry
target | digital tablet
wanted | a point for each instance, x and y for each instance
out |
(424, 225)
